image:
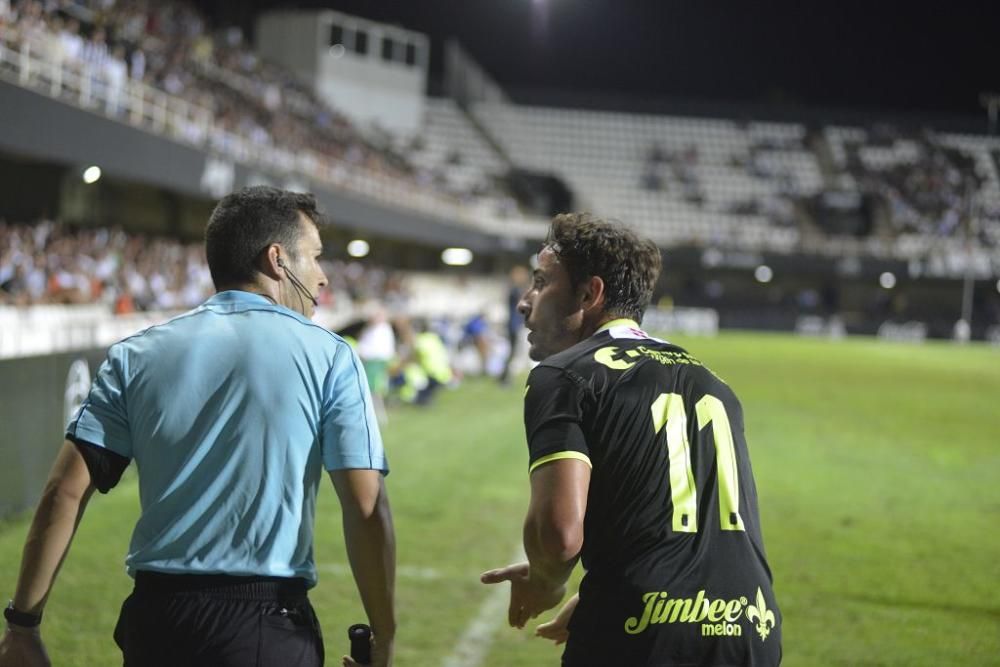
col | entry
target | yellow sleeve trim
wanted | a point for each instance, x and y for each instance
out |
(561, 455)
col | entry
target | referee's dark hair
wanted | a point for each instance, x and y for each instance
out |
(591, 246)
(247, 221)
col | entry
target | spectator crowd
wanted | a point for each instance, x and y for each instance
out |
(50, 263)
(237, 96)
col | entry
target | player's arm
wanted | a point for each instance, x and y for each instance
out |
(553, 527)
(559, 474)
(553, 536)
(58, 514)
(371, 549)
(559, 469)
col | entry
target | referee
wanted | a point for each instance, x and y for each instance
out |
(231, 413)
(639, 468)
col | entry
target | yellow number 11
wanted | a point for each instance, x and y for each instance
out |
(668, 410)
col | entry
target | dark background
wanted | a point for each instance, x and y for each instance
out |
(880, 56)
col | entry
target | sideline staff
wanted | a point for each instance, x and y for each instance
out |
(639, 467)
(231, 412)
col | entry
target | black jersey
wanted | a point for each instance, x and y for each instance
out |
(676, 570)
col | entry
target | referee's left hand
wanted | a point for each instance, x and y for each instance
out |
(22, 647)
(528, 596)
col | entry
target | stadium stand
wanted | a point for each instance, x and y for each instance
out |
(207, 90)
(684, 181)
(453, 150)
(48, 263)
(676, 179)
(749, 185)
(799, 190)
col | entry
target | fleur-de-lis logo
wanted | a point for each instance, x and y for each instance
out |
(760, 613)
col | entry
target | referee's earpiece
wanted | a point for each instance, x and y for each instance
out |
(296, 283)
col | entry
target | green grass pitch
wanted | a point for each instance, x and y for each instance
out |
(877, 466)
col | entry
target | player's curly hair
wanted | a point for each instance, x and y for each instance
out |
(591, 246)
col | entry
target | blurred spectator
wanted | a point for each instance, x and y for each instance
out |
(137, 64)
(377, 349)
(518, 282)
(115, 73)
(475, 332)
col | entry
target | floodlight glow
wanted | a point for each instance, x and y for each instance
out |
(337, 50)
(357, 248)
(763, 273)
(456, 256)
(91, 174)
(887, 280)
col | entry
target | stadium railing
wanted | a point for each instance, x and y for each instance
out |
(44, 329)
(41, 330)
(144, 106)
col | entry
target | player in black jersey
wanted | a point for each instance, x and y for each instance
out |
(639, 468)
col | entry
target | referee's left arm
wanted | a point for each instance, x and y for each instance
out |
(59, 512)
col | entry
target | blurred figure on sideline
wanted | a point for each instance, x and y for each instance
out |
(377, 349)
(518, 281)
(425, 368)
(476, 332)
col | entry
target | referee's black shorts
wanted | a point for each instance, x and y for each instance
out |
(218, 621)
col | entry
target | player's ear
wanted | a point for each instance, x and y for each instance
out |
(592, 294)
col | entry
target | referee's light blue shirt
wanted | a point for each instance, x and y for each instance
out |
(231, 412)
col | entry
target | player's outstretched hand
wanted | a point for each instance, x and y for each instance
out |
(558, 628)
(528, 596)
(22, 647)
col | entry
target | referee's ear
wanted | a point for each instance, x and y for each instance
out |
(592, 295)
(269, 261)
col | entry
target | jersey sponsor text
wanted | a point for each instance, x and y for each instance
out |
(718, 617)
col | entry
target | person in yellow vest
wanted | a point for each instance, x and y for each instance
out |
(425, 369)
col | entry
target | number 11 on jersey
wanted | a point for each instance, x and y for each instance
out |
(668, 411)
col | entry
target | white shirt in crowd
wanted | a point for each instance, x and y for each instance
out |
(377, 342)
(72, 45)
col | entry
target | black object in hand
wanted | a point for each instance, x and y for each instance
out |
(361, 647)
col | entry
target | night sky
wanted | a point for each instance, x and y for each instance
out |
(876, 55)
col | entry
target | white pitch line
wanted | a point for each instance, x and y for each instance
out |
(474, 644)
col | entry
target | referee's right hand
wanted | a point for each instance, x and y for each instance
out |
(382, 653)
(23, 647)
